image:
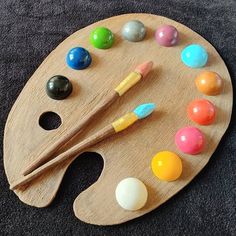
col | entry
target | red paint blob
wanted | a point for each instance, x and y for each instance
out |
(201, 111)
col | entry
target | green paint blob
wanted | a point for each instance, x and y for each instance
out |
(102, 38)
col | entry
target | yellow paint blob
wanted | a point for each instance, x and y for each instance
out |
(166, 166)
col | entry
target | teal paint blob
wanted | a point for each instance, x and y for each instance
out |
(194, 56)
(144, 110)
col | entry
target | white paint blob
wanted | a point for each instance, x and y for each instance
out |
(131, 194)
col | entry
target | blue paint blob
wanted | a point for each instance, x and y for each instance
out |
(78, 58)
(194, 56)
(144, 110)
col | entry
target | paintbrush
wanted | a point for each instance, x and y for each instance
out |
(120, 124)
(134, 77)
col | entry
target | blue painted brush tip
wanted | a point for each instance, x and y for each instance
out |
(144, 110)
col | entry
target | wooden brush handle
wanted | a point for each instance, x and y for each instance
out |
(67, 155)
(48, 153)
(118, 125)
(132, 79)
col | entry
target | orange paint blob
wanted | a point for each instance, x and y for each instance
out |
(201, 111)
(209, 83)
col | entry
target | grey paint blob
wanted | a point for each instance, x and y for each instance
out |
(134, 31)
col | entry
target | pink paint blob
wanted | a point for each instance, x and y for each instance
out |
(167, 35)
(190, 140)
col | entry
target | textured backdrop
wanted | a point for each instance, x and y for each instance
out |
(29, 31)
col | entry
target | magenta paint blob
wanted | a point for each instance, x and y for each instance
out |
(167, 35)
(190, 140)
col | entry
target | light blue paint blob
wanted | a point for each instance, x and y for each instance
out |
(144, 110)
(194, 56)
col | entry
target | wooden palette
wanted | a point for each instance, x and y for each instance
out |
(170, 85)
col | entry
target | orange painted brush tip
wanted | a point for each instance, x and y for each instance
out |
(144, 68)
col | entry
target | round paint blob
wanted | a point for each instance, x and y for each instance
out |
(190, 140)
(166, 166)
(102, 38)
(167, 35)
(194, 56)
(78, 58)
(58, 87)
(201, 111)
(131, 194)
(209, 83)
(134, 31)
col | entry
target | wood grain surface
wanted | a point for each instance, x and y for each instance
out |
(170, 85)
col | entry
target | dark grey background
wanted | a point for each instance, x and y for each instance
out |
(29, 31)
